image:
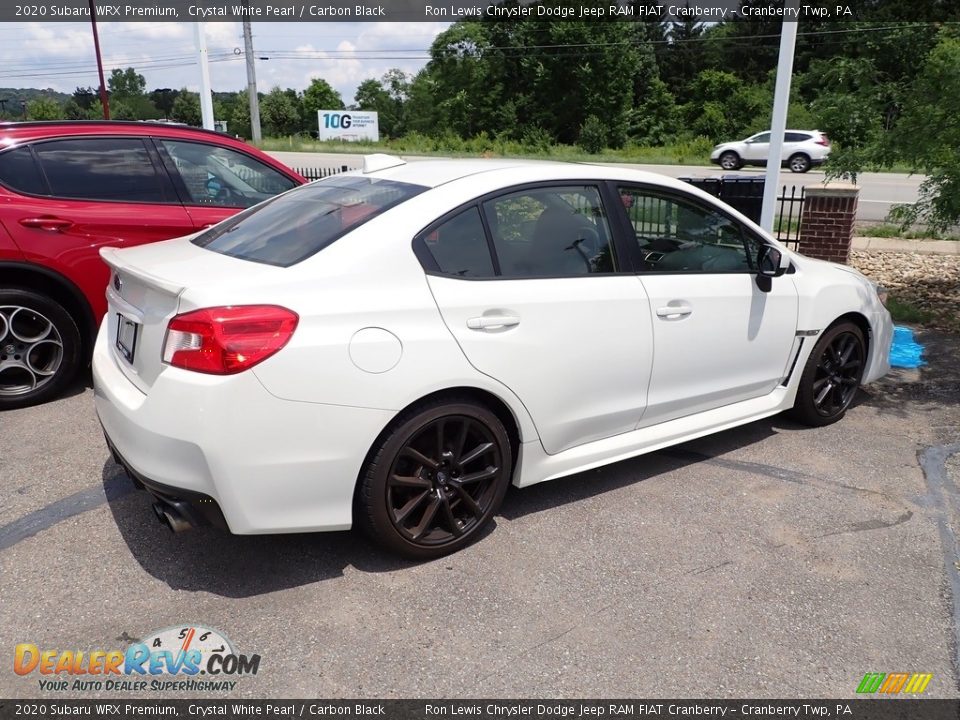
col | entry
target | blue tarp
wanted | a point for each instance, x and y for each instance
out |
(905, 352)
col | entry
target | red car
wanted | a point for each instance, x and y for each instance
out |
(69, 188)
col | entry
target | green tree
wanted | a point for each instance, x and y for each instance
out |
(280, 113)
(239, 119)
(549, 75)
(42, 108)
(722, 106)
(186, 108)
(592, 135)
(163, 99)
(73, 111)
(387, 97)
(655, 119)
(85, 97)
(319, 95)
(927, 136)
(126, 83)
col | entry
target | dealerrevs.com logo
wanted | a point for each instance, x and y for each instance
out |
(186, 657)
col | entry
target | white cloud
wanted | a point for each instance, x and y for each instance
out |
(60, 55)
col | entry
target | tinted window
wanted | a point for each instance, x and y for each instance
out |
(762, 138)
(796, 137)
(459, 246)
(680, 235)
(100, 169)
(550, 232)
(19, 171)
(294, 226)
(218, 176)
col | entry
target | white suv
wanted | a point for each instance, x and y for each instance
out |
(802, 150)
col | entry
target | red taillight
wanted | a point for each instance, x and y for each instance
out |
(227, 340)
(824, 140)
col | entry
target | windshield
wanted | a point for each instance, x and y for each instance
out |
(292, 227)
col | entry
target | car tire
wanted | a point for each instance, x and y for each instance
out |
(831, 376)
(434, 479)
(39, 348)
(798, 163)
(730, 161)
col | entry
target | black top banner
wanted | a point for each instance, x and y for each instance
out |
(876, 709)
(422, 11)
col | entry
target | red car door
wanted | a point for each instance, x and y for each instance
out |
(91, 192)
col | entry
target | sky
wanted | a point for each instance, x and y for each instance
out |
(61, 56)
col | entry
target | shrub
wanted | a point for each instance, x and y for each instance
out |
(593, 136)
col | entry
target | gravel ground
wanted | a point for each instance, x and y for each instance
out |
(928, 282)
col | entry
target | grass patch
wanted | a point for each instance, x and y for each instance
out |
(691, 152)
(903, 311)
(534, 146)
(888, 230)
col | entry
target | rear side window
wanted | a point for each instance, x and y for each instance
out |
(551, 232)
(118, 169)
(796, 137)
(292, 227)
(219, 176)
(19, 171)
(459, 246)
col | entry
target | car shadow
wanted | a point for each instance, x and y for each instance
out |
(236, 566)
(240, 566)
(574, 488)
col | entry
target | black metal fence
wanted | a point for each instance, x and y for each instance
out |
(320, 173)
(745, 193)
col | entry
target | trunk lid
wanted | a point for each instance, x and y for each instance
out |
(146, 289)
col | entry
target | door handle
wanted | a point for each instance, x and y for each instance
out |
(674, 311)
(492, 322)
(50, 224)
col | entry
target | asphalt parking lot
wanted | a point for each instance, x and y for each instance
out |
(767, 561)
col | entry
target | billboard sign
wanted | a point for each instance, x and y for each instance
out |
(348, 125)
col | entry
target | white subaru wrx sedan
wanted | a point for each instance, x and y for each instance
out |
(390, 348)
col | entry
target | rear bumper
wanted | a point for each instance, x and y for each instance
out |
(267, 465)
(198, 509)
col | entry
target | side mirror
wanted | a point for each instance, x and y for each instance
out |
(771, 262)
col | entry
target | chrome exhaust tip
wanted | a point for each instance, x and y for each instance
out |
(171, 518)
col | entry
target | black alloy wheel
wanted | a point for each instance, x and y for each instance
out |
(832, 376)
(436, 480)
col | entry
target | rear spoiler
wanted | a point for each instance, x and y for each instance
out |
(113, 257)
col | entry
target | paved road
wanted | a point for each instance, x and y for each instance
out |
(769, 560)
(878, 191)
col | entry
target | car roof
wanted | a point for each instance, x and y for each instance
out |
(436, 172)
(12, 133)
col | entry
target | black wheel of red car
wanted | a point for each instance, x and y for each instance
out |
(435, 479)
(39, 348)
(831, 376)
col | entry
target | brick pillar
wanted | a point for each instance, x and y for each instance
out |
(826, 228)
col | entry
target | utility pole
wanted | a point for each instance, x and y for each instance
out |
(251, 82)
(104, 99)
(206, 95)
(778, 123)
